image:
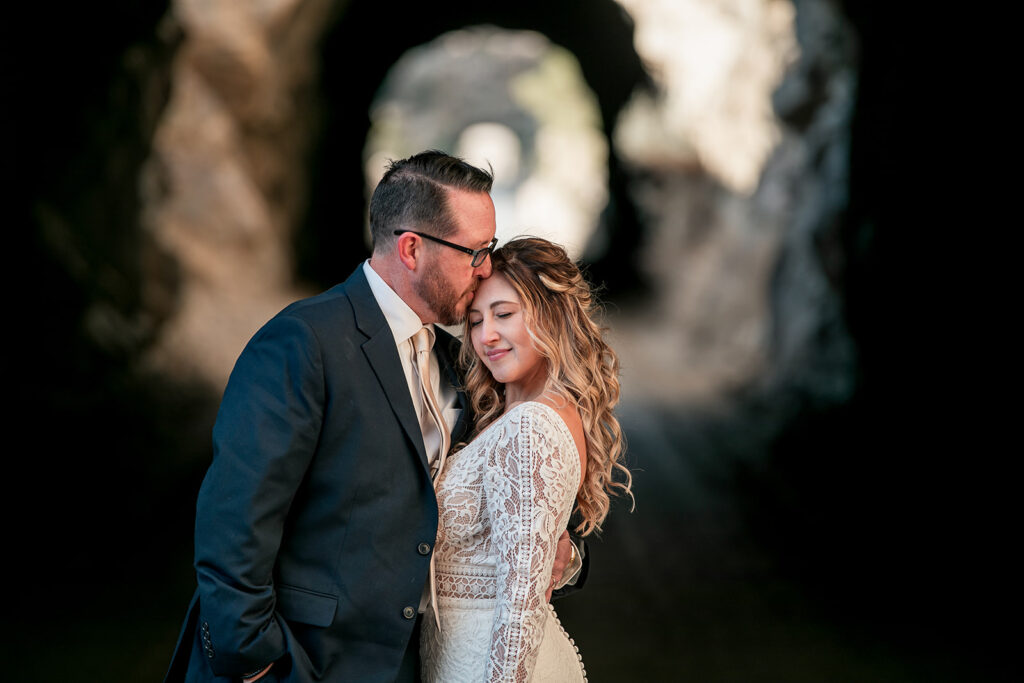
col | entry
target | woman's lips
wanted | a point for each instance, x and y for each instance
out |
(497, 354)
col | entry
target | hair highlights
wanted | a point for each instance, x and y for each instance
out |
(559, 312)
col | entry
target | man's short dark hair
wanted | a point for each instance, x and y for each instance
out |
(413, 194)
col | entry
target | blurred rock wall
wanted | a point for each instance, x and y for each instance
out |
(227, 183)
(186, 168)
(737, 291)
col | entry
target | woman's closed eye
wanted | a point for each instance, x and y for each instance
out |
(499, 315)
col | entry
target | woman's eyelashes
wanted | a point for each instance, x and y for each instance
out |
(503, 315)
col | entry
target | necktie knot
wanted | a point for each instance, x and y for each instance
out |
(423, 340)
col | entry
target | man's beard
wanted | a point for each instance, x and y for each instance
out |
(441, 297)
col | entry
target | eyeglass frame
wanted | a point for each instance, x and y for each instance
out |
(475, 253)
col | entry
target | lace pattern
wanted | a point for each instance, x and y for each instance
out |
(504, 500)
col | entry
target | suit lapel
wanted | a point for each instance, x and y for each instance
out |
(382, 355)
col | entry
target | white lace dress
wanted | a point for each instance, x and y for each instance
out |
(504, 500)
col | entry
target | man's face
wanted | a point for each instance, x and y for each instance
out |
(449, 280)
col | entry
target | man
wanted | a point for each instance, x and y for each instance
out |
(317, 518)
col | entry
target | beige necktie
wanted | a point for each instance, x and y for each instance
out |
(423, 341)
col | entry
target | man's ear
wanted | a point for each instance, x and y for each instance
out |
(410, 250)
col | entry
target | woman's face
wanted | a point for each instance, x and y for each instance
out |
(500, 339)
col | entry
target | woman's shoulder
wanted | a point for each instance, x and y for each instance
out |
(559, 415)
(535, 408)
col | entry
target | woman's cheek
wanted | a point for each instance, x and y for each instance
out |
(474, 338)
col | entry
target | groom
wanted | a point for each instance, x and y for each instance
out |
(316, 520)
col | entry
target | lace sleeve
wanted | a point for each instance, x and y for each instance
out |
(530, 485)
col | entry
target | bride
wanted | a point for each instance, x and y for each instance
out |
(542, 383)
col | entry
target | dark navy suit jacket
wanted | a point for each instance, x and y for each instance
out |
(317, 516)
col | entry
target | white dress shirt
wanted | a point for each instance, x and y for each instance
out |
(404, 323)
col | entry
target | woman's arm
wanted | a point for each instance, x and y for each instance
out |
(530, 486)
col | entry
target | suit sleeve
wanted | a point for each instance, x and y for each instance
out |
(263, 441)
(580, 578)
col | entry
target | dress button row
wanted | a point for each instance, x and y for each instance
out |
(583, 669)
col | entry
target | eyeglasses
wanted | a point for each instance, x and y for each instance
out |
(479, 255)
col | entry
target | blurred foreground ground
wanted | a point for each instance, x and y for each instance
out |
(677, 592)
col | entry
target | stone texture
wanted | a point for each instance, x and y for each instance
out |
(224, 187)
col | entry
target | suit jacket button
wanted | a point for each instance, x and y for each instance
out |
(408, 613)
(423, 548)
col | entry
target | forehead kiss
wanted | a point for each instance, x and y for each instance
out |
(493, 292)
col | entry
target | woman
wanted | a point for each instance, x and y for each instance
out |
(542, 383)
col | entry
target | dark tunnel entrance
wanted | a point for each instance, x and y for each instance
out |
(900, 539)
(367, 38)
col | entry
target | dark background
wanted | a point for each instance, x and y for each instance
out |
(866, 545)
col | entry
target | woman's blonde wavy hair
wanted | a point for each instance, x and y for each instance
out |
(559, 310)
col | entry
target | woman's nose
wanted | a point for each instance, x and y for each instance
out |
(488, 333)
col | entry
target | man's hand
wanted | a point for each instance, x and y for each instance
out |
(563, 555)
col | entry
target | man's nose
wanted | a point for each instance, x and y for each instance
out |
(483, 271)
